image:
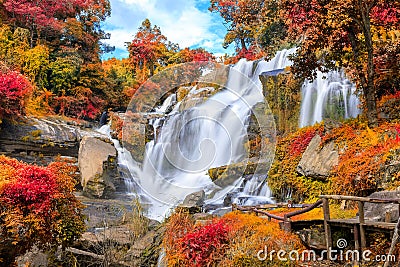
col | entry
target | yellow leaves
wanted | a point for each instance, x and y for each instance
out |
(382, 34)
(371, 137)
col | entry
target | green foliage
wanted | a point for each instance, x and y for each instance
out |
(283, 97)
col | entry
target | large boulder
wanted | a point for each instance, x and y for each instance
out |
(318, 162)
(381, 212)
(98, 166)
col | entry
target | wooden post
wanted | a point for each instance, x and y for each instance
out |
(356, 238)
(327, 217)
(362, 222)
(356, 241)
(388, 217)
(287, 224)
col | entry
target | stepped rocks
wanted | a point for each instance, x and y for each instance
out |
(226, 175)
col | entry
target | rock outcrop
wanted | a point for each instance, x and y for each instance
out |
(382, 212)
(226, 175)
(318, 162)
(39, 140)
(98, 166)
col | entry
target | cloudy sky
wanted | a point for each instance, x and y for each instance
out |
(186, 22)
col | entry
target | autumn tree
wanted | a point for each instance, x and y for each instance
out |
(121, 80)
(191, 55)
(147, 49)
(40, 16)
(251, 24)
(332, 34)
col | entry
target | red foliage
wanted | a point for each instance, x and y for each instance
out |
(200, 245)
(33, 189)
(301, 142)
(195, 55)
(37, 207)
(14, 88)
(44, 13)
(384, 14)
(82, 106)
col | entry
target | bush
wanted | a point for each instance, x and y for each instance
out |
(14, 89)
(233, 240)
(37, 207)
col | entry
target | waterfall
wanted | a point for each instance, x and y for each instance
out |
(210, 134)
(329, 96)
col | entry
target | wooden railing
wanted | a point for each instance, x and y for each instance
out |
(286, 218)
(359, 226)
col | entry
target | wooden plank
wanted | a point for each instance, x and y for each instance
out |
(381, 225)
(362, 199)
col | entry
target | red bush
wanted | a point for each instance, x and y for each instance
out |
(204, 242)
(14, 88)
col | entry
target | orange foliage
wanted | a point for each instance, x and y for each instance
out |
(37, 207)
(363, 154)
(246, 235)
(283, 177)
(362, 161)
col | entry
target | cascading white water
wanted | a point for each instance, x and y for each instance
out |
(331, 96)
(207, 135)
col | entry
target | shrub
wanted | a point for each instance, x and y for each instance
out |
(37, 207)
(14, 89)
(233, 240)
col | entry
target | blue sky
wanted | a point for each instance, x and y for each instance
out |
(186, 22)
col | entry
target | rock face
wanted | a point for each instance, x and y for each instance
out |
(226, 175)
(98, 166)
(381, 212)
(317, 162)
(40, 140)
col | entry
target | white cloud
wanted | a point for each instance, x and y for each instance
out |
(180, 21)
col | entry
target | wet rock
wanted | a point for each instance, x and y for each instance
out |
(98, 166)
(195, 199)
(228, 174)
(318, 162)
(146, 250)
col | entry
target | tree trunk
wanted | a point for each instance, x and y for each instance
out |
(243, 43)
(369, 86)
(366, 79)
